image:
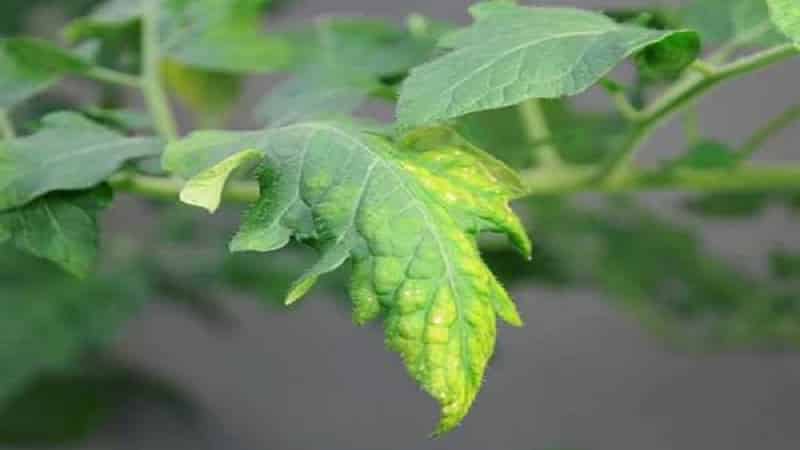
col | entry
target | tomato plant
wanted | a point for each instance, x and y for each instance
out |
(484, 117)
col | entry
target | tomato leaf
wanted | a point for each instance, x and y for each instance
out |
(215, 35)
(60, 227)
(70, 152)
(513, 53)
(407, 215)
(29, 66)
(721, 21)
(785, 15)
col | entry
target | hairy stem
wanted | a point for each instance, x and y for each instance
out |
(6, 127)
(678, 98)
(154, 93)
(774, 126)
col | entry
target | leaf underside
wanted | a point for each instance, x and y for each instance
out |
(407, 215)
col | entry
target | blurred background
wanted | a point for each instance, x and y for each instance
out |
(684, 335)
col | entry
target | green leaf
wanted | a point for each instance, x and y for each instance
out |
(49, 319)
(314, 95)
(513, 53)
(341, 62)
(209, 95)
(721, 21)
(580, 137)
(66, 407)
(205, 189)
(706, 155)
(729, 205)
(785, 15)
(407, 216)
(784, 265)
(123, 120)
(70, 152)
(214, 35)
(29, 66)
(661, 273)
(367, 47)
(60, 227)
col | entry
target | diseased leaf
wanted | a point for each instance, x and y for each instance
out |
(785, 15)
(60, 227)
(407, 216)
(69, 152)
(513, 53)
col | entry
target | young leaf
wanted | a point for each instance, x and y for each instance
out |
(70, 152)
(59, 227)
(205, 189)
(407, 216)
(785, 15)
(513, 53)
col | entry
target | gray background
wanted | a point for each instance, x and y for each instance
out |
(580, 375)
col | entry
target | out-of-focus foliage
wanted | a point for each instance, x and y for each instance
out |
(662, 274)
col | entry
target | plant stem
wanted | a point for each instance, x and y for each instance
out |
(154, 93)
(114, 77)
(691, 124)
(537, 130)
(679, 97)
(167, 188)
(6, 127)
(546, 181)
(775, 125)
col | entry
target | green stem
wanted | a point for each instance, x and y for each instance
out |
(167, 188)
(114, 77)
(6, 127)
(774, 126)
(679, 97)
(154, 93)
(537, 130)
(545, 181)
